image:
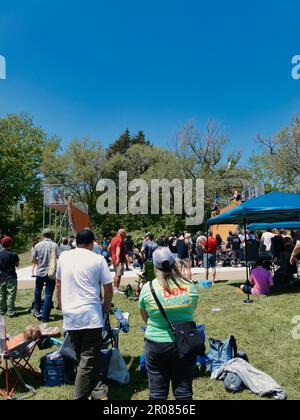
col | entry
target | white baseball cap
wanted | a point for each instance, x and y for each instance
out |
(162, 254)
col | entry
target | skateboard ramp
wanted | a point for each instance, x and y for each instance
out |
(223, 230)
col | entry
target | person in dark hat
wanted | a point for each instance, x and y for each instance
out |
(9, 260)
(148, 247)
(80, 275)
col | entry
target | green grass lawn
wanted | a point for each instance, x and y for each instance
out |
(262, 329)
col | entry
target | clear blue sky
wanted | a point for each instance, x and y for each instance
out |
(94, 68)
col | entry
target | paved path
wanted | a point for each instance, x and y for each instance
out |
(223, 273)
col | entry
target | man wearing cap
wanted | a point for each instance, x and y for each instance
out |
(41, 257)
(9, 260)
(173, 245)
(149, 246)
(80, 274)
(183, 254)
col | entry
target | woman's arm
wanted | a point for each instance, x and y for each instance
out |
(251, 280)
(144, 315)
(295, 252)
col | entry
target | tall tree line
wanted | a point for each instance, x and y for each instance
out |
(29, 157)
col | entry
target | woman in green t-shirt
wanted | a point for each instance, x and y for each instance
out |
(178, 297)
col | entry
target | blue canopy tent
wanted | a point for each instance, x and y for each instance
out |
(270, 208)
(277, 225)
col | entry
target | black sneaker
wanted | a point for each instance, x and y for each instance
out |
(36, 314)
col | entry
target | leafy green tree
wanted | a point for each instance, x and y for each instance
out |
(21, 151)
(204, 155)
(278, 165)
(125, 141)
(140, 138)
(79, 169)
(114, 164)
(146, 162)
(121, 145)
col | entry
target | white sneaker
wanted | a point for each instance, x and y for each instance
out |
(118, 292)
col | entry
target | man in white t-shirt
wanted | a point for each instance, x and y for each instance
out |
(80, 274)
(266, 239)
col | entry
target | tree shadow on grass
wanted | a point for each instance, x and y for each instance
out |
(22, 311)
(201, 372)
(22, 308)
(284, 290)
(235, 285)
(138, 381)
(56, 317)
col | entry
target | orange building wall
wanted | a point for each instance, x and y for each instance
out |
(223, 230)
(80, 219)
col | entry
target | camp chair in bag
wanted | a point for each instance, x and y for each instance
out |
(149, 271)
(147, 275)
(110, 335)
(17, 358)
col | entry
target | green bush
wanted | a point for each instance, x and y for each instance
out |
(24, 240)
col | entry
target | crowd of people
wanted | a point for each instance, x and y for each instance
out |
(81, 269)
(121, 253)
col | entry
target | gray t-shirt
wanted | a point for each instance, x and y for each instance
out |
(63, 248)
(42, 252)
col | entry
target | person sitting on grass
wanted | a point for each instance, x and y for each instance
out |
(261, 280)
(137, 259)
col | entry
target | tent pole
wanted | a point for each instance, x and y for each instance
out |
(248, 300)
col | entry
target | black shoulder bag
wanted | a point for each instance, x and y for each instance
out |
(187, 338)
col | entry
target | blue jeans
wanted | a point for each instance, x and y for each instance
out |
(49, 290)
(164, 366)
(247, 289)
(210, 260)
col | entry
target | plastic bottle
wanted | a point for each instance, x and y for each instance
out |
(2, 336)
(123, 323)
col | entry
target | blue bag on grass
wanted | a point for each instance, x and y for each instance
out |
(57, 370)
(201, 329)
(117, 368)
(202, 360)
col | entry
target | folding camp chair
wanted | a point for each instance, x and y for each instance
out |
(146, 275)
(18, 358)
(149, 271)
